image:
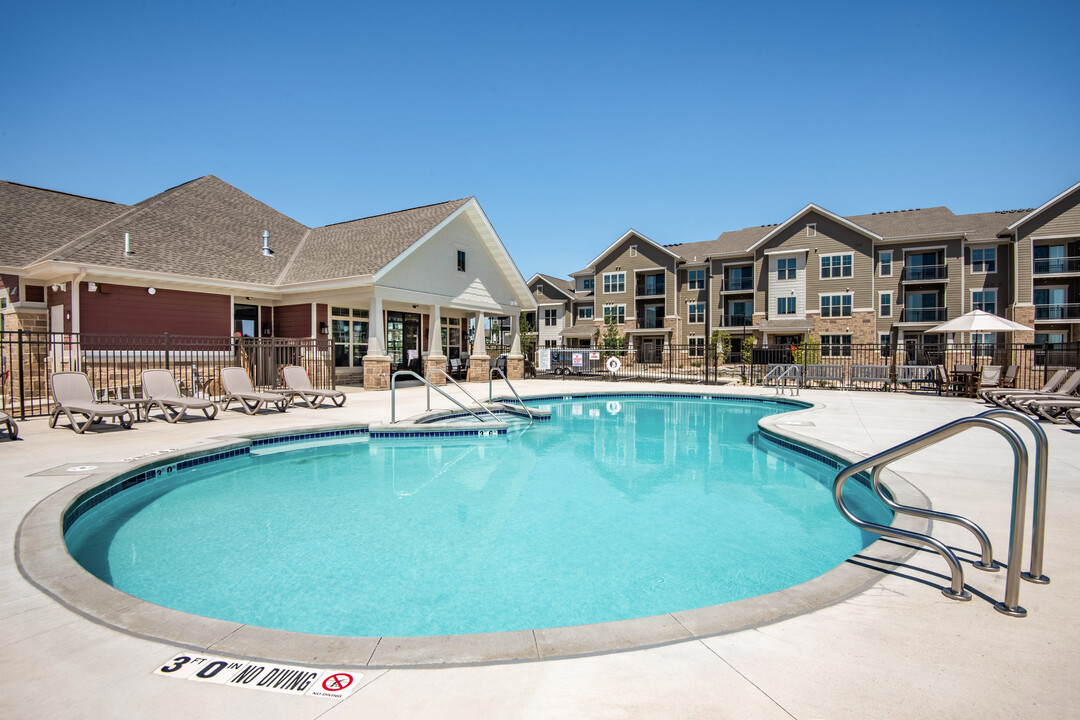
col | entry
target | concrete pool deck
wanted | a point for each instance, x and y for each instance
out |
(897, 649)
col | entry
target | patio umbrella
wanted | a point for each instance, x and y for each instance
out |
(979, 321)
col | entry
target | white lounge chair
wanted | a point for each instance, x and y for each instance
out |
(299, 385)
(237, 386)
(12, 426)
(160, 389)
(74, 396)
(997, 395)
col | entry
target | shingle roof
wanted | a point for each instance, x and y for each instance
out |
(906, 223)
(364, 246)
(35, 221)
(565, 285)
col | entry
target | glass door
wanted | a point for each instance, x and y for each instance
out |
(349, 331)
(403, 340)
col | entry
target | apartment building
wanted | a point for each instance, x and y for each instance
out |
(883, 277)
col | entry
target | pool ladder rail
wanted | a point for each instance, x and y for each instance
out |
(430, 387)
(783, 377)
(876, 463)
(491, 377)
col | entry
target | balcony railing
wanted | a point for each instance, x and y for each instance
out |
(1058, 311)
(737, 320)
(936, 314)
(649, 289)
(925, 273)
(738, 284)
(1056, 266)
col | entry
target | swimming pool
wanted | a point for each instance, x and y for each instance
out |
(620, 507)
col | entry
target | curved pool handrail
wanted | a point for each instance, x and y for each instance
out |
(491, 376)
(393, 395)
(1038, 520)
(458, 386)
(1010, 605)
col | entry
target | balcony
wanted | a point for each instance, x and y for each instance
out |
(925, 273)
(738, 284)
(736, 320)
(649, 289)
(923, 315)
(1056, 266)
(1057, 311)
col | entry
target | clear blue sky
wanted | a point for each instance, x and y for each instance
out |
(570, 121)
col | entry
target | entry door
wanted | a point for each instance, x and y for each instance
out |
(62, 352)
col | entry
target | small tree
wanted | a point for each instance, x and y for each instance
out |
(808, 351)
(611, 339)
(720, 345)
(747, 351)
(528, 339)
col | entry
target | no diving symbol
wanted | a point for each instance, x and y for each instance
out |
(337, 682)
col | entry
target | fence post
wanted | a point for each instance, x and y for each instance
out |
(167, 351)
(22, 389)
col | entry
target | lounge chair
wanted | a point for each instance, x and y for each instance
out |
(1065, 392)
(990, 377)
(74, 396)
(12, 427)
(160, 389)
(299, 385)
(997, 395)
(1055, 410)
(237, 386)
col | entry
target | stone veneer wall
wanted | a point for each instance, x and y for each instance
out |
(861, 326)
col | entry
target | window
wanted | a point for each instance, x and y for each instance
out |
(549, 343)
(615, 282)
(539, 289)
(615, 311)
(587, 284)
(984, 338)
(697, 346)
(633, 251)
(584, 312)
(461, 261)
(811, 229)
(785, 269)
(885, 263)
(785, 306)
(836, 266)
(835, 306)
(983, 260)
(551, 316)
(985, 300)
(349, 332)
(696, 312)
(885, 304)
(740, 278)
(836, 346)
(695, 279)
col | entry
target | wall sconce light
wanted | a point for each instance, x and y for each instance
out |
(151, 290)
(323, 329)
(59, 287)
(91, 287)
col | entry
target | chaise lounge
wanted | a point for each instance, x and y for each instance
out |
(237, 386)
(299, 385)
(160, 390)
(997, 396)
(12, 427)
(74, 396)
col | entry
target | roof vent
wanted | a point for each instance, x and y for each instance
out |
(266, 244)
(128, 252)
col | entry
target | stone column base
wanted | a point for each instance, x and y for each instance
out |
(377, 372)
(437, 362)
(515, 367)
(479, 366)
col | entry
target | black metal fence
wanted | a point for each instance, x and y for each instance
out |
(849, 362)
(113, 363)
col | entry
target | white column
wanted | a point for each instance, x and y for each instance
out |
(376, 329)
(435, 332)
(515, 334)
(480, 337)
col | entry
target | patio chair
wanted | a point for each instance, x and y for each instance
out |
(990, 377)
(1008, 380)
(299, 385)
(160, 389)
(1065, 392)
(957, 385)
(997, 396)
(237, 386)
(74, 396)
(12, 427)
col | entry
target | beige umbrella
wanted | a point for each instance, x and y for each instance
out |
(979, 321)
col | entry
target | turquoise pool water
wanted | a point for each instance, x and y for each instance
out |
(616, 508)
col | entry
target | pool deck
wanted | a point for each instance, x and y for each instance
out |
(896, 650)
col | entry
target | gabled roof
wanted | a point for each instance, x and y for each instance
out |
(821, 211)
(364, 246)
(36, 222)
(626, 236)
(1012, 228)
(564, 286)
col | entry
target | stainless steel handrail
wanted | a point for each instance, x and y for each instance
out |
(1010, 605)
(455, 383)
(785, 372)
(1038, 520)
(393, 396)
(491, 376)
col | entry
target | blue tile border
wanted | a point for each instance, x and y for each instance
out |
(783, 402)
(383, 434)
(296, 437)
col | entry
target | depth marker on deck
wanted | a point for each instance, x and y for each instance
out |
(287, 679)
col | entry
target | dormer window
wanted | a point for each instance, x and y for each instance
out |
(811, 229)
(461, 261)
(633, 251)
(539, 289)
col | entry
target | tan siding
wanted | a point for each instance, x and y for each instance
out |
(1023, 270)
(1061, 219)
(619, 260)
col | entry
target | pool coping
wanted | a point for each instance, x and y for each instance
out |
(42, 558)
